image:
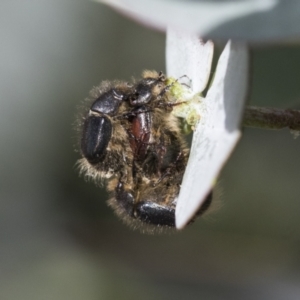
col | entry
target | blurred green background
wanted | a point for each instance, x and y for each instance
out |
(59, 240)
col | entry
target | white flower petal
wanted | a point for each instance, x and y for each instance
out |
(195, 63)
(217, 132)
(251, 20)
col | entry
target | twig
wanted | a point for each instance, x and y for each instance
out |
(271, 118)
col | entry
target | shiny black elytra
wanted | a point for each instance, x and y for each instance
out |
(97, 128)
(150, 212)
(146, 211)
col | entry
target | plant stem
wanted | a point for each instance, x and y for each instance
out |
(271, 118)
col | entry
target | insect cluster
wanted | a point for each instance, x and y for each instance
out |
(130, 138)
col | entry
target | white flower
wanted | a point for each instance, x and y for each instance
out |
(218, 129)
(216, 117)
(262, 21)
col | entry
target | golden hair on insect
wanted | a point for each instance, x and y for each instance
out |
(130, 138)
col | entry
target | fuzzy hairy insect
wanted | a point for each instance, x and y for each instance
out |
(130, 138)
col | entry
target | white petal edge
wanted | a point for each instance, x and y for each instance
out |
(217, 132)
(195, 63)
(254, 20)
